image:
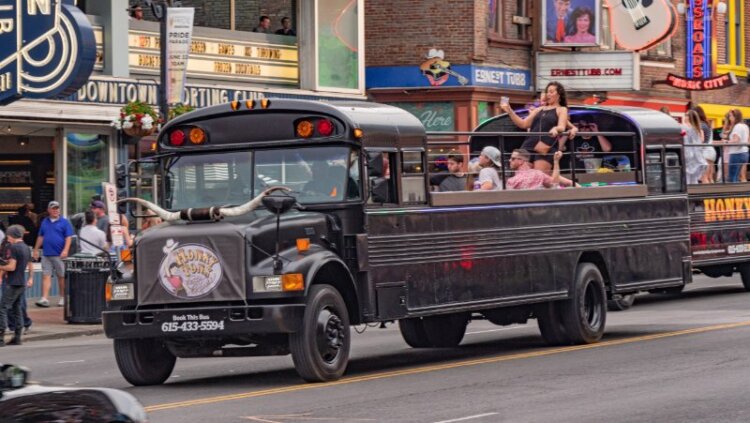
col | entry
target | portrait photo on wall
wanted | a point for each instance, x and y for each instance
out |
(571, 22)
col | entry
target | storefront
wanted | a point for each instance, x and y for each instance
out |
(64, 149)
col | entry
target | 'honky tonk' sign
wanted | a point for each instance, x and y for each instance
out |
(47, 49)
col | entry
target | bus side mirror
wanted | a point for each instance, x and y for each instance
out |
(379, 190)
(375, 165)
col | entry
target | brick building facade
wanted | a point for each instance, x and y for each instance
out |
(505, 34)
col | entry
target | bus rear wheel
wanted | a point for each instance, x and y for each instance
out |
(446, 330)
(144, 362)
(744, 269)
(412, 330)
(320, 350)
(585, 314)
(621, 304)
(550, 324)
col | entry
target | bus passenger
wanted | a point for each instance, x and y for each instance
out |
(456, 180)
(528, 178)
(552, 117)
(490, 162)
(709, 152)
(738, 133)
(695, 163)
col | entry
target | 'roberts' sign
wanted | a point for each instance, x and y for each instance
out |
(596, 71)
(47, 49)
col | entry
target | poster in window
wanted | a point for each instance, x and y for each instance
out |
(571, 23)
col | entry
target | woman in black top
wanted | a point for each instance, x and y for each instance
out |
(552, 117)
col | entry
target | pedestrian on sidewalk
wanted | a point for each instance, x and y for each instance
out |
(55, 235)
(93, 240)
(4, 256)
(15, 267)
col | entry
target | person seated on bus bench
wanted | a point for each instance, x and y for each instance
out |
(490, 162)
(456, 178)
(587, 146)
(527, 178)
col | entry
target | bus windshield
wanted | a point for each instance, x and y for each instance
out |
(314, 174)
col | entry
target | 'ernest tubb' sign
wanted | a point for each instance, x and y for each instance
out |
(47, 49)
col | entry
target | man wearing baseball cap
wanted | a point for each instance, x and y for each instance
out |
(55, 234)
(102, 220)
(17, 262)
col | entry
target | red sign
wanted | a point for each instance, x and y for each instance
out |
(586, 72)
(702, 84)
(699, 36)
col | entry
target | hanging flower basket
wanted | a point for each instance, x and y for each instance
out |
(180, 109)
(137, 119)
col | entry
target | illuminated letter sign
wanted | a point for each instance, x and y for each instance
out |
(47, 49)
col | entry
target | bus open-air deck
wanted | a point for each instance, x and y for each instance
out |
(287, 221)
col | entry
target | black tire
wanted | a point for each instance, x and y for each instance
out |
(550, 324)
(585, 314)
(144, 362)
(320, 350)
(445, 331)
(744, 269)
(412, 330)
(624, 303)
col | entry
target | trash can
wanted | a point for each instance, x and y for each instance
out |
(85, 279)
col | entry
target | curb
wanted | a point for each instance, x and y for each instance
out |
(62, 335)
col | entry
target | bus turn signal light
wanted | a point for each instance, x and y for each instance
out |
(304, 129)
(303, 244)
(325, 127)
(197, 136)
(292, 282)
(358, 133)
(265, 103)
(177, 138)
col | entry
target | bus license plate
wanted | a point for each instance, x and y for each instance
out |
(192, 323)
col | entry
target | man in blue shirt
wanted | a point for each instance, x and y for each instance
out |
(55, 234)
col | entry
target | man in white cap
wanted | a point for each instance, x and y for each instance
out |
(490, 162)
(55, 234)
(15, 265)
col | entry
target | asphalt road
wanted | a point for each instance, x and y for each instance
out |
(669, 359)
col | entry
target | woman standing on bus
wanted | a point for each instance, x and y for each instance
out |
(695, 163)
(738, 133)
(552, 117)
(709, 152)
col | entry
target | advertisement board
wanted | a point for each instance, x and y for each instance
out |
(596, 71)
(571, 23)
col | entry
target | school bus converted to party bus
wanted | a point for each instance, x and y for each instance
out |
(288, 221)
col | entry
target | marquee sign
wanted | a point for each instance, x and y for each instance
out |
(702, 84)
(47, 49)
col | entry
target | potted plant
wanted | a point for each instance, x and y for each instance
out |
(180, 109)
(137, 119)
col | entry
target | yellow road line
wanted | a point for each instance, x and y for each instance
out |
(438, 367)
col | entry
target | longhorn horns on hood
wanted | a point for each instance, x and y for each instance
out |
(169, 216)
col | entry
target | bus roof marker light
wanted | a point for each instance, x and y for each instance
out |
(235, 105)
(197, 136)
(325, 127)
(265, 103)
(250, 104)
(177, 138)
(304, 129)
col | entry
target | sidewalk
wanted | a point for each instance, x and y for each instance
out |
(49, 323)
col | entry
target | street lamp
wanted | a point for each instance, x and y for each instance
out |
(159, 8)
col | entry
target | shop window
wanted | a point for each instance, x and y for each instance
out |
(663, 50)
(88, 166)
(496, 19)
(734, 25)
(338, 41)
(412, 177)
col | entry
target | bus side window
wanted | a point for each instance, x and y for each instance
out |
(382, 184)
(412, 177)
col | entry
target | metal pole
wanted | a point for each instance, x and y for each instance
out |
(163, 63)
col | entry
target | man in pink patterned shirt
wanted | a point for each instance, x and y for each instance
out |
(528, 178)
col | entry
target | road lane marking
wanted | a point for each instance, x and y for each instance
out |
(463, 419)
(71, 361)
(496, 330)
(439, 367)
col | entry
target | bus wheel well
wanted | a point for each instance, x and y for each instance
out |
(595, 258)
(335, 274)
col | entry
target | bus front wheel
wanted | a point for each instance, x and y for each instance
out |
(144, 362)
(320, 350)
(584, 315)
(744, 269)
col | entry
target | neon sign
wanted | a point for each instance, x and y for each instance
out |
(47, 49)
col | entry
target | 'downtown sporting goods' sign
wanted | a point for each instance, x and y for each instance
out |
(47, 49)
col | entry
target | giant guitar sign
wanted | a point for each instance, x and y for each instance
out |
(47, 49)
